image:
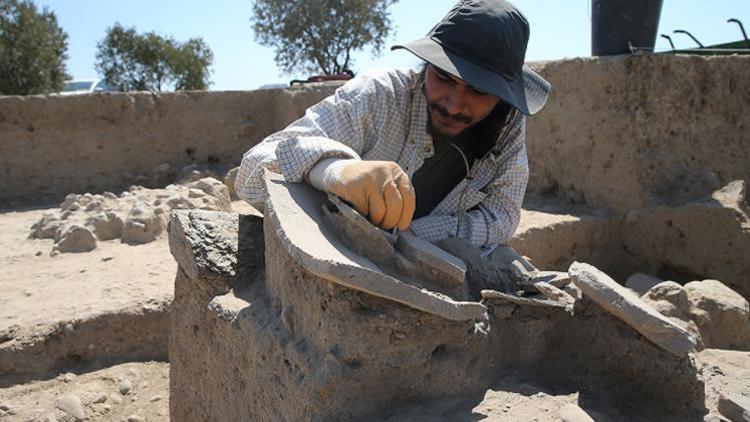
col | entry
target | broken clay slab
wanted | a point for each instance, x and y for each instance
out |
(405, 253)
(495, 296)
(295, 210)
(617, 300)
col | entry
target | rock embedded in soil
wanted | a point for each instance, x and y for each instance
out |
(137, 216)
(671, 300)
(124, 386)
(71, 404)
(616, 299)
(572, 413)
(75, 238)
(721, 314)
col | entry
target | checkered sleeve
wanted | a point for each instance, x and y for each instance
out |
(335, 127)
(494, 220)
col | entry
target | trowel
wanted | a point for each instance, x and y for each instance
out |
(402, 253)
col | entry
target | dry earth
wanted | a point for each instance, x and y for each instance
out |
(41, 292)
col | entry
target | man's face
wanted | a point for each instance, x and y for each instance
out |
(453, 105)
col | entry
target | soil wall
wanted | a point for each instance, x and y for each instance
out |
(52, 146)
(618, 132)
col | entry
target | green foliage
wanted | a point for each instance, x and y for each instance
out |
(320, 35)
(150, 62)
(33, 49)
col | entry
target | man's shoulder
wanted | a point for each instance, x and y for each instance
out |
(395, 82)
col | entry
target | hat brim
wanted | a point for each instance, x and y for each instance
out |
(528, 94)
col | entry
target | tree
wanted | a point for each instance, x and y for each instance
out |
(150, 62)
(33, 49)
(319, 35)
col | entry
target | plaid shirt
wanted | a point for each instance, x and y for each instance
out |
(383, 115)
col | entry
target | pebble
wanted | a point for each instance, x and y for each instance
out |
(155, 398)
(71, 404)
(107, 258)
(38, 253)
(100, 398)
(124, 386)
(161, 412)
(27, 293)
(116, 399)
(68, 328)
(69, 377)
(135, 418)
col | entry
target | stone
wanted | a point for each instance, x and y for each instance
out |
(735, 407)
(641, 283)
(555, 294)
(615, 298)
(100, 398)
(75, 238)
(671, 300)
(71, 404)
(155, 398)
(124, 386)
(141, 225)
(295, 209)
(721, 314)
(215, 189)
(46, 227)
(572, 413)
(229, 180)
(558, 279)
(135, 418)
(107, 225)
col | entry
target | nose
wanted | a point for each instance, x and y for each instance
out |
(456, 99)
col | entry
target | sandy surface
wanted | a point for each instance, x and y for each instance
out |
(98, 392)
(40, 290)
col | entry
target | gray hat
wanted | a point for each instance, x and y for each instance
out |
(483, 42)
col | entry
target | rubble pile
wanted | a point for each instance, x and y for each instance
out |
(137, 216)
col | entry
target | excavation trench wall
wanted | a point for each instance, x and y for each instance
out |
(618, 133)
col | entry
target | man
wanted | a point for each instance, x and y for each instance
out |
(439, 151)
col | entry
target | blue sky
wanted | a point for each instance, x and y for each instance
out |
(559, 28)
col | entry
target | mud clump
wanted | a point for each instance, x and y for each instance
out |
(137, 216)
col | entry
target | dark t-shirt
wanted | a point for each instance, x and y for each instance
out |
(446, 168)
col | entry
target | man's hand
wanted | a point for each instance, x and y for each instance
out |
(380, 190)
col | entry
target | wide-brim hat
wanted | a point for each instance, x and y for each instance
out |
(484, 44)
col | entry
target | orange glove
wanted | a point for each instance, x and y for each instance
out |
(380, 190)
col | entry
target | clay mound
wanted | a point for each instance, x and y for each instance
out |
(137, 216)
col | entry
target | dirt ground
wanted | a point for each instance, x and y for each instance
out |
(40, 290)
(510, 399)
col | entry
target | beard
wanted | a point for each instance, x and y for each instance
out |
(435, 131)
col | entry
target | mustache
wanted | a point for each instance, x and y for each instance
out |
(462, 118)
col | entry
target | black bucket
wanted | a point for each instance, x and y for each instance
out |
(618, 24)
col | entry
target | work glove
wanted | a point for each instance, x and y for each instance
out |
(380, 190)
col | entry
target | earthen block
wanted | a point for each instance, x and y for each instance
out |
(613, 297)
